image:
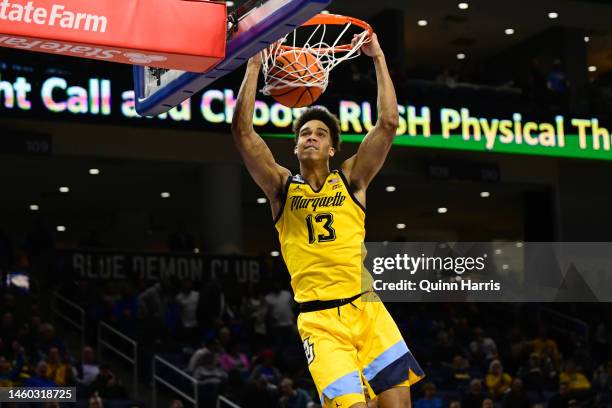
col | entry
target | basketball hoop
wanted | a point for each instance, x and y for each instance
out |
(324, 41)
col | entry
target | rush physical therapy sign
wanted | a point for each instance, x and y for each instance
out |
(172, 34)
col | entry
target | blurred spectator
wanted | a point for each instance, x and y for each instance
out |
(187, 300)
(487, 403)
(603, 338)
(150, 305)
(87, 370)
(483, 349)
(50, 340)
(460, 376)
(260, 393)
(232, 359)
(254, 309)
(561, 398)
(212, 306)
(576, 381)
(292, 397)
(9, 373)
(532, 375)
(58, 370)
(475, 396)
(125, 309)
(444, 350)
(176, 404)
(558, 87)
(40, 379)
(208, 372)
(517, 397)
(545, 346)
(107, 385)
(498, 382)
(557, 80)
(454, 404)
(225, 338)
(95, 401)
(280, 310)
(207, 347)
(602, 380)
(429, 399)
(266, 368)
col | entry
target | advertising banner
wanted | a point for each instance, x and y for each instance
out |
(159, 33)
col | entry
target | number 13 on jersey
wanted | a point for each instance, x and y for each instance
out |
(326, 219)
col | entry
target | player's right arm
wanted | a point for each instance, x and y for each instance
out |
(257, 157)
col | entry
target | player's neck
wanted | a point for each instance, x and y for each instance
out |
(315, 174)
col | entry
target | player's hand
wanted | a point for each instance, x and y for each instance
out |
(256, 59)
(371, 48)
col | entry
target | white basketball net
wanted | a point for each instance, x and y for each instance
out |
(326, 58)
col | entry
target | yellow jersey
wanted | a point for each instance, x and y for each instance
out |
(321, 235)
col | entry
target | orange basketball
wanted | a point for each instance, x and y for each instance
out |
(300, 67)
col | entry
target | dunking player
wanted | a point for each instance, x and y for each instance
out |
(348, 334)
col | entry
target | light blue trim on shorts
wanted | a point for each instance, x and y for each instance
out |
(348, 384)
(384, 359)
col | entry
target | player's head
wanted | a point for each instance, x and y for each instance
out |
(317, 134)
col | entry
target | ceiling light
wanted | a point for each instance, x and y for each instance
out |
(592, 68)
(261, 200)
(165, 194)
(498, 251)
(229, 3)
(422, 23)
(64, 189)
(461, 56)
(94, 172)
(552, 15)
(587, 38)
(442, 210)
(509, 31)
(519, 244)
(196, 250)
(485, 194)
(390, 189)
(325, 12)
(61, 228)
(505, 267)
(34, 207)
(400, 226)
(463, 6)
(274, 253)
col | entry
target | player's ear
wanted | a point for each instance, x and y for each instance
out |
(295, 150)
(332, 152)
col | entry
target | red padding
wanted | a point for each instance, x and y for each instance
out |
(174, 34)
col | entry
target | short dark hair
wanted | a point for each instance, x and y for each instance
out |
(319, 113)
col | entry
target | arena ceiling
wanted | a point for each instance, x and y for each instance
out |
(479, 30)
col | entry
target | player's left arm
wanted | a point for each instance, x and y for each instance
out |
(361, 168)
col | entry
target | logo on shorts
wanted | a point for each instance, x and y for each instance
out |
(138, 58)
(309, 350)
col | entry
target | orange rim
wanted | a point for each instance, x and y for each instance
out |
(332, 19)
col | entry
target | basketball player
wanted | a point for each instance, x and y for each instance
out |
(347, 333)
